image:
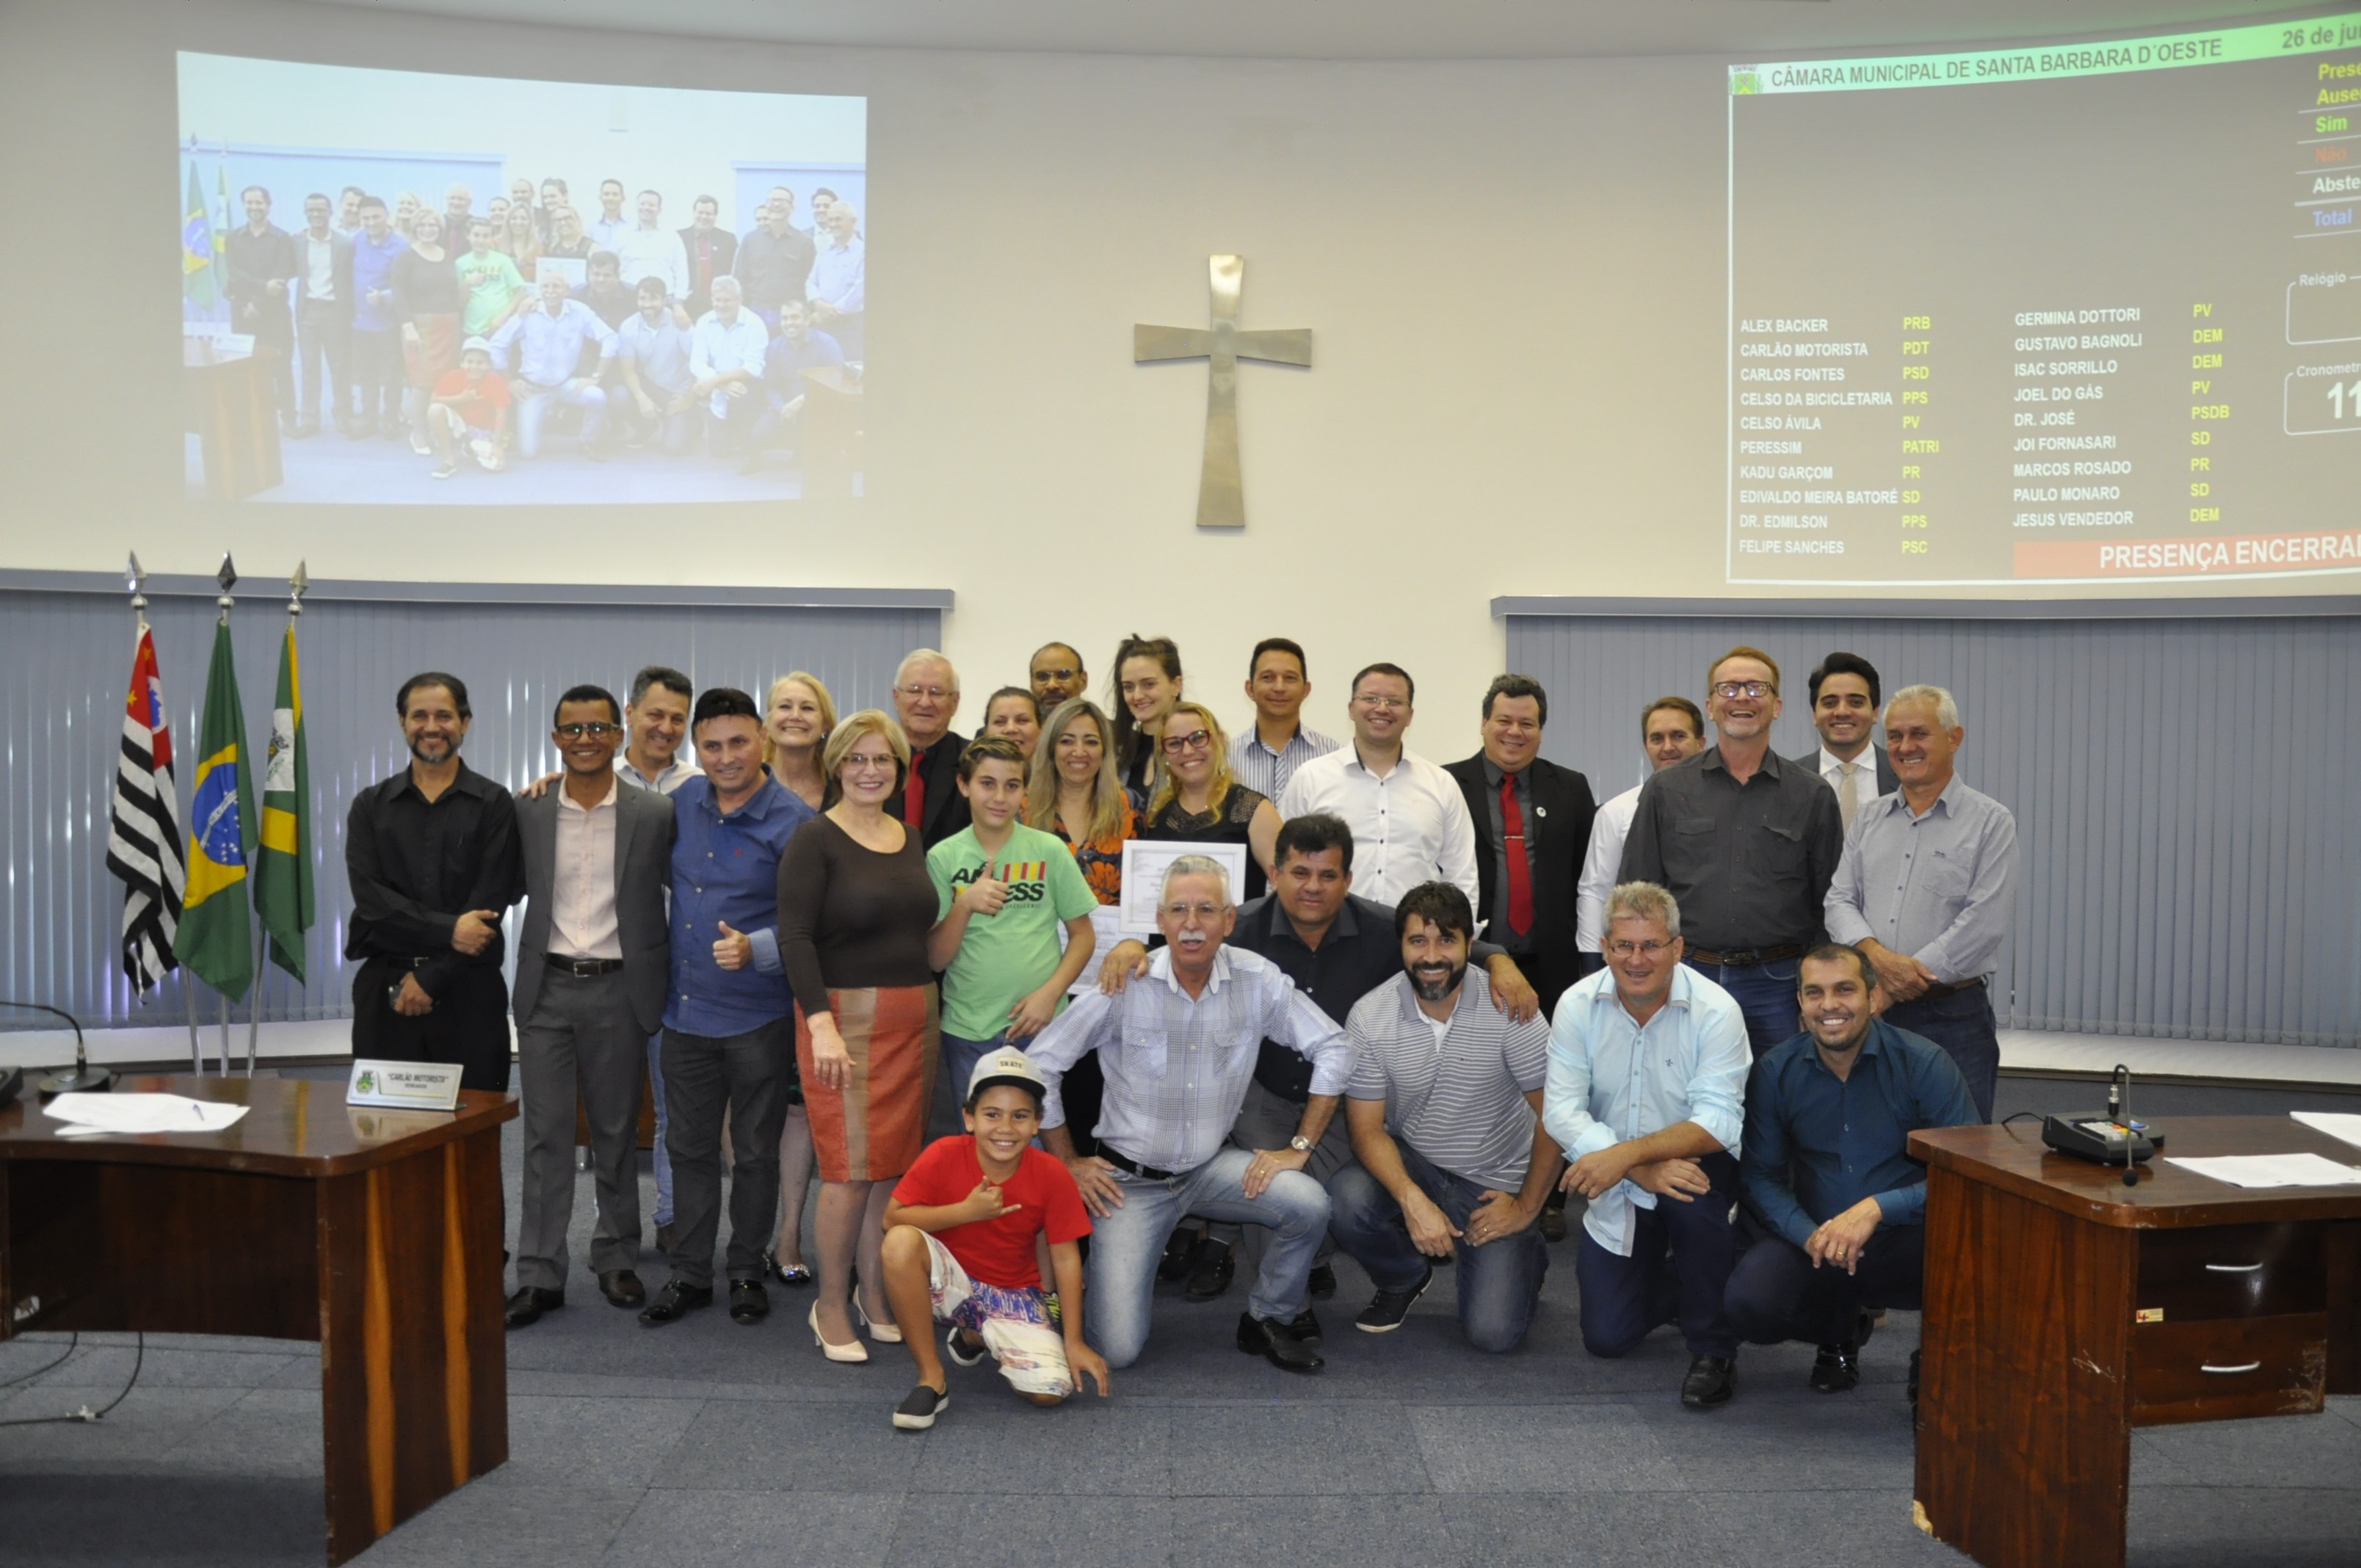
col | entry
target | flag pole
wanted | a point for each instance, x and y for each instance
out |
(296, 585)
(137, 577)
(228, 577)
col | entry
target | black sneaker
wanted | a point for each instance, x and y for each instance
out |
(918, 1411)
(1323, 1283)
(1711, 1381)
(1387, 1308)
(1837, 1368)
(955, 1345)
(1212, 1273)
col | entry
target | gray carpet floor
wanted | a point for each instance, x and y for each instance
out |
(710, 1442)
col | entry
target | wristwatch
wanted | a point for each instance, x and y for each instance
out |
(1300, 1143)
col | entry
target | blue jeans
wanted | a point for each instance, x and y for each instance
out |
(533, 403)
(663, 1215)
(1775, 1294)
(1962, 1024)
(1765, 994)
(1498, 1282)
(1624, 1299)
(1119, 1279)
(953, 1066)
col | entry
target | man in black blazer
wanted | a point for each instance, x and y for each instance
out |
(1846, 697)
(1543, 818)
(592, 965)
(712, 251)
(927, 697)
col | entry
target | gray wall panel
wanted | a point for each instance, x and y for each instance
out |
(2189, 861)
(65, 659)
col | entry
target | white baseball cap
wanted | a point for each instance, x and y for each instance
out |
(1007, 1065)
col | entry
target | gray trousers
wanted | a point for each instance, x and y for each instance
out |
(580, 1041)
(1265, 1122)
(746, 1077)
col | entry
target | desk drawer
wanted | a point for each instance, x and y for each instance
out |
(2204, 1370)
(2232, 1271)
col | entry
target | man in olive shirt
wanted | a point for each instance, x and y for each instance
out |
(1747, 843)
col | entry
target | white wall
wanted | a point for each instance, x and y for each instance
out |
(1513, 271)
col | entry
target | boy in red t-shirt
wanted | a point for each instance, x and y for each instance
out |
(960, 1248)
(468, 413)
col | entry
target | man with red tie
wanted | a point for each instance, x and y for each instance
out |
(1532, 824)
(927, 697)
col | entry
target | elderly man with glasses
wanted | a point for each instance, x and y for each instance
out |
(925, 699)
(1746, 842)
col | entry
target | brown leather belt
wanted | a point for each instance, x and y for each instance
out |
(1747, 960)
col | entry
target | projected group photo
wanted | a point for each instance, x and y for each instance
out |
(555, 292)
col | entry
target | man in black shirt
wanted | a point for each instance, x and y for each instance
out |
(261, 264)
(432, 856)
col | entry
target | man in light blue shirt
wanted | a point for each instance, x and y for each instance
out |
(1647, 1079)
(652, 359)
(725, 365)
(839, 285)
(541, 352)
(1177, 1049)
(1923, 890)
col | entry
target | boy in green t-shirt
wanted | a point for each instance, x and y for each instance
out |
(1001, 888)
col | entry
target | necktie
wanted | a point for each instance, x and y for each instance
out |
(1848, 803)
(914, 793)
(1521, 872)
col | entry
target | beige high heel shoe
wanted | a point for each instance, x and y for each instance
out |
(884, 1334)
(856, 1351)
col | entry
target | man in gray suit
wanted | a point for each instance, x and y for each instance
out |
(1845, 695)
(592, 965)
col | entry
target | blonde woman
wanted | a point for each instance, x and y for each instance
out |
(1076, 790)
(520, 241)
(855, 908)
(406, 208)
(1197, 801)
(797, 715)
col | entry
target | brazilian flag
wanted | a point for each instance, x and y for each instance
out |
(283, 872)
(216, 937)
(197, 281)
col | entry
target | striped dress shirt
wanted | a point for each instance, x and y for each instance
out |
(1457, 1098)
(1266, 771)
(1177, 1066)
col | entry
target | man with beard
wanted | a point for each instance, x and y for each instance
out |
(1444, 1109)
(1835, 1226)
(433, 860)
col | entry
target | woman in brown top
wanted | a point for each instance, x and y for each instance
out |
(794, 731)
(855, 905)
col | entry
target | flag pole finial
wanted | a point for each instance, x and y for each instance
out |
(227, 578)
(134, 578)
(297, 586)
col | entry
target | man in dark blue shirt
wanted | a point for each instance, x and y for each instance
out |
(729, 1038)
(1836, 1208)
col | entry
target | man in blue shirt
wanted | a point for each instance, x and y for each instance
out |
(1836, 1208)
(542, 351)
(728, 1039)
(800, 347)
(376, 351)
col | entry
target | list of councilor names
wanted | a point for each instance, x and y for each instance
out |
(2062, 316)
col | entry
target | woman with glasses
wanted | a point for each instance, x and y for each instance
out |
(1014, 714)
(1197, 802)
(798, 714)
(1074, 793)
(1145, 683)
(855, 907)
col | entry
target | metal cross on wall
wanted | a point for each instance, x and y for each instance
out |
(1220, 495)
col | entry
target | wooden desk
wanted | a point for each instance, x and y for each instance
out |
(2063, 1308)
(832, 434)
(231, 408)
(374, 1232)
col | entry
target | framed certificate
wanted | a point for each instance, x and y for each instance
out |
(1144, 860)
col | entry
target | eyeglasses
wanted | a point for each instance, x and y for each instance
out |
(1743, 688)
(1387, 703)
(1202, 741)
(595, 731)
(1630, 949)
(869, 764)
(1055, 675)
(934, 694)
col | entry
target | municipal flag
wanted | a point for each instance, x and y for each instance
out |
(282, 870)
(143, 832)
(216, 938)
(197, 272)
(222, 224)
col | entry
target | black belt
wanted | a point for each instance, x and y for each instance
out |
(1747, 960)
(1147, 1172)
(582, 969)
(1935, 991)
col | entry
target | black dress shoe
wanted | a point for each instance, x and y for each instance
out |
(1323, 1283)
(665, 1238)
(1837, 1368)
(1179, 1249)
(748, 1302)
(1711, 1381)
(1305, 1327)
(623, 1289)
(1276, 1344)
(674, 1301)
(527, 1305)
(1211, 1275)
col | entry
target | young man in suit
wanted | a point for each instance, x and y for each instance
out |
(1532, 824)
(1846, 694)
(592, 964)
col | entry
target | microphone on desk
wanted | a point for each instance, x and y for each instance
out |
(84, 1078)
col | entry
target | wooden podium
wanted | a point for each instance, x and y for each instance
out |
(2063, 1308)
(374, 1232)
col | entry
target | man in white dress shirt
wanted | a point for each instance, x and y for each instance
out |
(1670, 729)
(1845, 695)
(725, 357)
(1408, 818)
(652, 250)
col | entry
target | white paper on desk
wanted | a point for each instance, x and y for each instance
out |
(1144, 860)
(2342, 1124)
(1106, 925)
(143, 1112)
(2271, 1170)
